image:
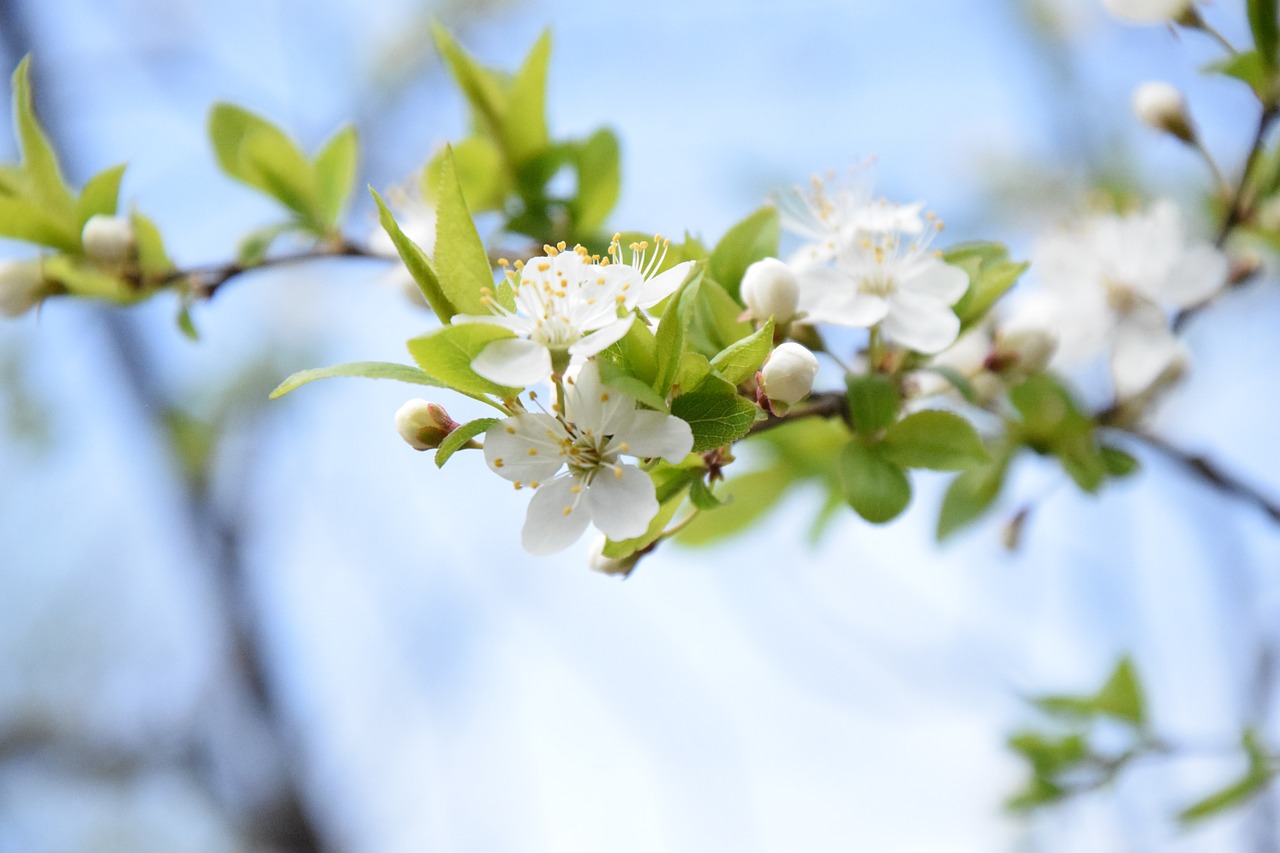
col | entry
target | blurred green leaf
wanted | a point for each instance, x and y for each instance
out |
(969, 496)
(751, 240)
(153, 260)
(1266, 31)
(873, 402)
(100, 196)
(40, 162)
(877, 489)
(335, 173)
(746, 498)
(1121, 697)
(1119, 463)
(1257, 777)
(942, 441)
(524, 125)
(365, 369)
(599, 167)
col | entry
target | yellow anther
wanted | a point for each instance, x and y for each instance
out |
(568, 510)
(617, 473)
(624, 447)
(533, 451)
(561, 245)
(511, 430)
(604, 397)
(519, 485)
(544, 266)
(576, 489)
(498, 463)
(534, 484)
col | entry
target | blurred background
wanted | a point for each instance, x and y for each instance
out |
(234, 624)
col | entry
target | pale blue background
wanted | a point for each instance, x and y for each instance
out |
(447, 692)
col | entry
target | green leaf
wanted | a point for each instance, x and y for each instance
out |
(873, 402)
(639, 349)
(1121, 697)
(747, 498)
(692, 372)
(446, 356)
(39, 160)
(86, 279)
(969, 496)
(460, 257)
(751, 240)
(669, 343)
(740, 360)
(1257, 777)
(942, 441)
(1249, 68)
(701, 496)
(255, 245)
(416, 261)
(481, 87)
(1266, 30)
(711, 317)
(991, 282)
(100, 196)
(335, 172)
(715, 419)
(1119, 463)
(366, 369)
(26, 220)
(153, 260)
(524, 127)
(257, 153)
(482, 173)
(877, 489)
(456, 440)
(598, 163)
(186, 325)
(615, 375)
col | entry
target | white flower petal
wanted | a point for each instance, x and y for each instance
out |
(936, 279)
(653, 434)
(557, 517)
(622, 502)
(595, 407)
(1145, 347)
(525, 448)
(662, 285)
(513, 361)
(519, 325)
(832, 296)
(1201, 273)
(603, 338)
(920, 323)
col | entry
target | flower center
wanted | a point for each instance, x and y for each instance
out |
(585, 453)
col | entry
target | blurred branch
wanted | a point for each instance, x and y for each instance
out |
(1210, 473)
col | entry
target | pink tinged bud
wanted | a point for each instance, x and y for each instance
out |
(788, 373)
(1160, 106)
(423, 425)
(769, 289)
(108, 239)
(21, 286)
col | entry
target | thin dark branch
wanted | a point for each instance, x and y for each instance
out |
(1211, 474)
(829, 404)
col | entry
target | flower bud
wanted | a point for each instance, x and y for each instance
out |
(609, 565)
(769, 289)
(788, 373)
(1025, 350)
(423, 425)
(1162, 107)
(21, 283)
(108, 239)
(1153, 11)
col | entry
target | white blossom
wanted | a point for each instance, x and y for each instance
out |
(1108, 285)
(574, 463)
(1149, 11)
(565, 306)
(769, 289)
(636, 278)
(109, 239)
(835, 213)
(892, 279)
(788, 373)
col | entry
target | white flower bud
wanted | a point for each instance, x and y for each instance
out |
(769, 289)
(423, 425)
(108, 239)
(1027, 350)
(609, 565)
(20, 286)
(788, 373)
(1152, 11)
(1162, 107)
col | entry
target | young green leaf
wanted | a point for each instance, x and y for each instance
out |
(873, 402)
(458, 439)
(746, 498)
(524, 126)
(669, 343)
(153, 260)
(740, 360)
(446, 356)
(335, 173)
(1266, 30)
(1258, 775)
(715, 419)
(39, 161)
(1119, 463)
(877, 489)
(460, 258)
(100, 196)
(597, 160)
(751, 240)
(692, 372)
(942, 441)
(969, 496)
(23, 219)
(482, 172)
(366, 369)
(416, 261)
(481, 87)
(1121, 697)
